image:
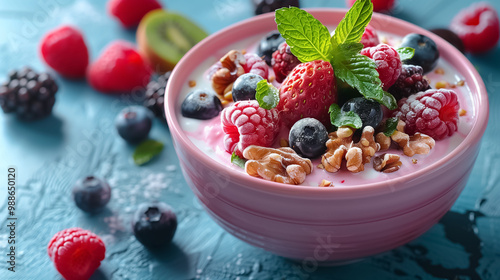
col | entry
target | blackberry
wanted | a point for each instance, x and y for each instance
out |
(155, 95)
(28, 94)
(266, 6)
(410, 81)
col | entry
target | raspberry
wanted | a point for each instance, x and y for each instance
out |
(120, 68)
(76, 253)
(64, 50)
(378, 5)
(245, 124)
(308, 92)
(155, 95)
(283, 62)
(255, 65)
(410, 81)
(388, 63)
(478, 26)
(130, 12)
(433, 112)
(370, 37)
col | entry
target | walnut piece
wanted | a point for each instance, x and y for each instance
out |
(281, 165)
(417, 144)
(230, 69)
(325, 183)
(387, 163)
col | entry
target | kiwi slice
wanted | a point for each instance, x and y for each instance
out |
(164, 37)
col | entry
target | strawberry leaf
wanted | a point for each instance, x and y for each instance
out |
(267, 95)
(352, 26)
(405, 53)
(340, 118)
(236, 160)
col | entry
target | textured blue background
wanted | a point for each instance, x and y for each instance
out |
(79, 139)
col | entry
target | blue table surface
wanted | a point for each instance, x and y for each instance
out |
(79, 139)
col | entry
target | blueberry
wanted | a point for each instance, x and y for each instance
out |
(245, 87)
(451, 37)
(308, 137)
(369, 111)
(266, 6)
(426, 51)
(91, 194)
(268, 45)
(201, 104)
(154, 224)
(134, 123)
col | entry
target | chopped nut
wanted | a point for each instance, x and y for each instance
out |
(325, 183)
(462, 112)
(461, 83)
(387, 163)
(439, 71)
(336, 148)
(281, 165)
(192, 83)
(414, 160)
(224, 77)
(271, 79)
(442, 84)
(284, 142)
(320, 166)
(417, 144)
(383, 141)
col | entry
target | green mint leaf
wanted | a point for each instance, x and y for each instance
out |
(405, 53)
(236, 160)
(360, 72)
(308, 38)
(352, 26)
(267, 95)
(390, 126)
(146, 151)
(340, 118)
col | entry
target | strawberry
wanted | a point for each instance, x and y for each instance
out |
(307, 92)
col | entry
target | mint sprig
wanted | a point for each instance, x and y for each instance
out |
(352, 26)
(405, 53)
(267, 95)
(236, 160)
(146, 151)
(340, 118)
(390, 126)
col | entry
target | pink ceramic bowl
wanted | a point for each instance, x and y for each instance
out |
(325, 224)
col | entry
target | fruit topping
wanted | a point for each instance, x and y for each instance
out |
(154, 224)
(308, 92)
(119, 69)
(76, 253)
(370, 37)
(433, 112)
(201, 104)
(281, 165)
(29, 94)
(410, 81)
(268, 45)
(130, 12)
(244, 88)
(478, 26)
(308, 137)
(245, 123)
(133, 123)
(266, 6)
(426, 51)
(164, 37)
(378, 5)
(283, 62)
(91, 194)
(451, 37)
(416, 144)
(388, 63)
(369, 111)
(64, 50)
(387, 163)
(155, 95)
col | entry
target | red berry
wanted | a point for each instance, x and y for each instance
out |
(130, 12)
(378, 5)
(65, 51)
(478, 27)
(76, 253)
(120, 68)
(433, 112)
(255, 65)
(283, 62)
(308, 92)
(388, 63)
(370, 37)
(245, 124)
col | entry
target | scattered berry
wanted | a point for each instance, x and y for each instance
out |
(426, 51)
(433, 112)
(410, 81)
(370, 37)
(245, 87)
(201, 104)
(91, 194)
(64, 50)
(134, 123)
(266, 6)
(369, 111)
(29, 94)
(478, 26)
(154, 224)
(388, 63)
(378, 5)
(76, 253)
(451, 37)
(308, 137)
(120, 68)
(268, 45)
(245, 123)
(130, 12)
(155, 95)
(283, 62)
(308, 92)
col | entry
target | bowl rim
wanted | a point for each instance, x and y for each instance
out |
(476, 85)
